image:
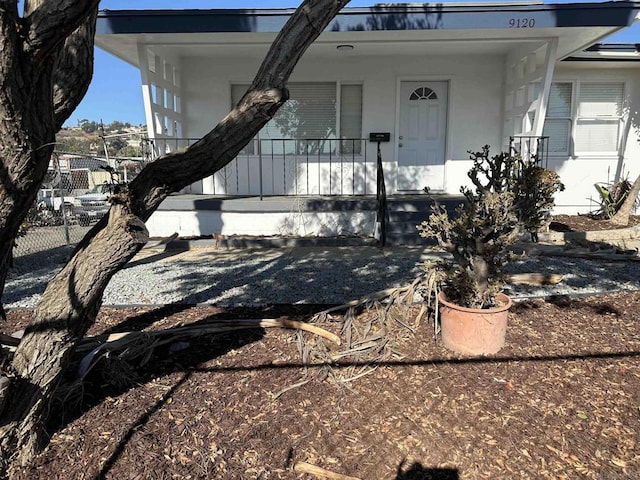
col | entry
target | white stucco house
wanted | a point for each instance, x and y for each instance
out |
(439, 79)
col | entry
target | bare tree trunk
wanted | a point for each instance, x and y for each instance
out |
(622, 216)
(36, 96)
(71, 301)
(68, 307)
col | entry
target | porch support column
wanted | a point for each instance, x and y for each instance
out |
(545, 87)
(527, 86)
(162, 95)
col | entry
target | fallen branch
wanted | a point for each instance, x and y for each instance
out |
(534, 278)
(303, 467)
(141, 344)
(361, 301)
(118, 340)
(162, 241)
(614, 257)
(290, 387)
(8, 341)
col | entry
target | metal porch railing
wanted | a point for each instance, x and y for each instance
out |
(292, 167)
(530, 148)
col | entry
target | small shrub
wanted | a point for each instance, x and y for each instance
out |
(477, 237)
(533, 186)
(612, 196)
(492, 174)
(508, 192)
(534, 190)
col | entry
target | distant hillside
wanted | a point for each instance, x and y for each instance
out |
(123, 139)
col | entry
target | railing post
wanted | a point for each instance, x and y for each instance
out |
(260, 168)
(363, 146)
(63, 207)
(381, 196)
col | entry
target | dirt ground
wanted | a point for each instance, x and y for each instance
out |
(586, 223)
(560, 401)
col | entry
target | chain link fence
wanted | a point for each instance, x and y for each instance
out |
(73, 197)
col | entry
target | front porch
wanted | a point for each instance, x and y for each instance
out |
(312, 189)
(224, 217)
(435, 81)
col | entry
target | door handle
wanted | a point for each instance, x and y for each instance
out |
(400, 137)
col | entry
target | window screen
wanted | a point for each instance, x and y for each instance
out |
(309, 118)
(599, 117)
(557, 125)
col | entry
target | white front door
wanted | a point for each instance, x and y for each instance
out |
(421, 137)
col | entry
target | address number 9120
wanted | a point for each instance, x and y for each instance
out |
(522, 22)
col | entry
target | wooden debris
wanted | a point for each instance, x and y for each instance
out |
(290, 387)
(589, 255)
(9, 341)
(382, 294)
(162, 241)
(142, 344)
(534, 278)
(303, 467)
(118, 340)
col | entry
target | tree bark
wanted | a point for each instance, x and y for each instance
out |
(71, 301)
(68, 307)
(622, 216)
(30, 112)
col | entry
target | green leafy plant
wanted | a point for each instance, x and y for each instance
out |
(612, 196)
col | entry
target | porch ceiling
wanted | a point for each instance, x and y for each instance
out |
(399, 42)
(382, 29)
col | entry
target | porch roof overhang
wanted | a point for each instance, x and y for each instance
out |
(609, 52)
(378, 30)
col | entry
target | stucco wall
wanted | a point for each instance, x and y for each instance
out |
(474, 111)
(580, 172)
(475, 96)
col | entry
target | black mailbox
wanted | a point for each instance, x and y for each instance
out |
(379, 137)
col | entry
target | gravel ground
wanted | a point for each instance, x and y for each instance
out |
(295, 275)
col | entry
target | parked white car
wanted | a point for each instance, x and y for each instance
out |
(53, 198)
(91, 206)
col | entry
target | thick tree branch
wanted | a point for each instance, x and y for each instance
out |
(70, 303)
(621, 218)
(74, 70)
(49, 23)
(266, 94)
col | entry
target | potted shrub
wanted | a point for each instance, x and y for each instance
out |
(472, 309)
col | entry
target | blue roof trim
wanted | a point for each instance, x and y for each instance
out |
(607, 48)
(377, 18)
(614, 47)
(605, 60)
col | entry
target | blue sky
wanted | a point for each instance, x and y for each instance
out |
(115, 92)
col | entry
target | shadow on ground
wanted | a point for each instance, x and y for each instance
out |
(417, 472)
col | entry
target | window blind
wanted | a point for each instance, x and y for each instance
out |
(310, 112)
(351, 111)
(557, 125)
(599, 117)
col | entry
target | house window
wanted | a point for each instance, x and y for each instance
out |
(557, 125)
(599, 117)
(351, 118)
(423, 93)
(593, 124)
(309, 121)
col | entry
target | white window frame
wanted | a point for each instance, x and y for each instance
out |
(621, 119)
(574, 148)
(570, 119)
(338, 127)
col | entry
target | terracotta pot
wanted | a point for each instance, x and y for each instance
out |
(474, 331)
